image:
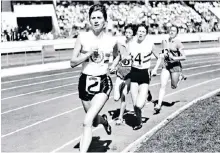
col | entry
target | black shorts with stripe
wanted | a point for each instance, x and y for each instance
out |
(173, 67)
(140, 76)
(89, 86)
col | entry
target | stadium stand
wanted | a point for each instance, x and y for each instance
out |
(190, 17)
(72, 16)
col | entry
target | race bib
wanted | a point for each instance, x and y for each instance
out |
(97, 57)
(93, 84)
(126, 63)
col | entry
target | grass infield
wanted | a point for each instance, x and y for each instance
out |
(197, 129)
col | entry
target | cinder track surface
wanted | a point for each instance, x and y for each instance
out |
(42, 111)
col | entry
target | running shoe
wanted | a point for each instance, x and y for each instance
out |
(107, 126)
(149, 98)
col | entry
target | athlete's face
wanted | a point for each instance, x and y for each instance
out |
(129, 33)
(97, 20)
(141, 33)
(173, 32)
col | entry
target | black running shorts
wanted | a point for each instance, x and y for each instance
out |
(140, 76)
(174, 67)
(89, 86)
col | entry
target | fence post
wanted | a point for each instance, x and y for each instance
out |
(42, 55)
(7, 59)
(59, 55)
(218, 42)
(25, 57)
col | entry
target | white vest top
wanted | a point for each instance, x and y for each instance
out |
(141, 53)
(97, 64)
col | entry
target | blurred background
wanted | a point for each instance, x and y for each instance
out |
(72, 17)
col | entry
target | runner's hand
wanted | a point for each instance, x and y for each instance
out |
(153, 72)
(94, 51)
(112, 69)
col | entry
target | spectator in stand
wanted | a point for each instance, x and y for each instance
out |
(3, 37)
(157, 15)
(205, 26)
(50, 36)
(37, 34)
(210, 19)
(7, 37)
(24, 35)
(29, 30)
(13, 34)
(32, 36)
(18, 37)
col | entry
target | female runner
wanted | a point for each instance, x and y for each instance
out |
(122, 84)
(141, 49)
(93, 50)
(171, 56)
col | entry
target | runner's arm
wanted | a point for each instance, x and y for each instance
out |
(159, 59)
(117, 58)
(77, 57)
(153, 51)
(182, 56)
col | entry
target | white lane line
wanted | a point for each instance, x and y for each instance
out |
(38, 77)
(48, 100)
(26, 85)
(200, 59)
(199, 72)
(190, 63)
(37, 103)
(80, 70)
(136, 144)
(75, 139)
(37, 83)
(75, 83)
(202, 72)
(37, 91)
(47, 119)
(39, 122)
(93, 130)
(191, 68)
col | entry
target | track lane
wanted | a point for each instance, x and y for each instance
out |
(43, 137)
(42, 96)
(48, 84)
(80, 113)
(74, 73)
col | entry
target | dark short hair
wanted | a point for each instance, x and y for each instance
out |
(143, 25)
(98, 7)
(131, 27)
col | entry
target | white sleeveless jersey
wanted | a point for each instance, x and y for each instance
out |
(172, 47)
(97, 64)
(141, 53)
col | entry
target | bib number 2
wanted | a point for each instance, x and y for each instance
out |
(93, 84)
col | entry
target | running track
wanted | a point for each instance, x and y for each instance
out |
(42, 111)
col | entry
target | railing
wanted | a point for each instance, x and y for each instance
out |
(45, 51)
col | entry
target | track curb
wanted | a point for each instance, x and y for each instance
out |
(136, 144)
